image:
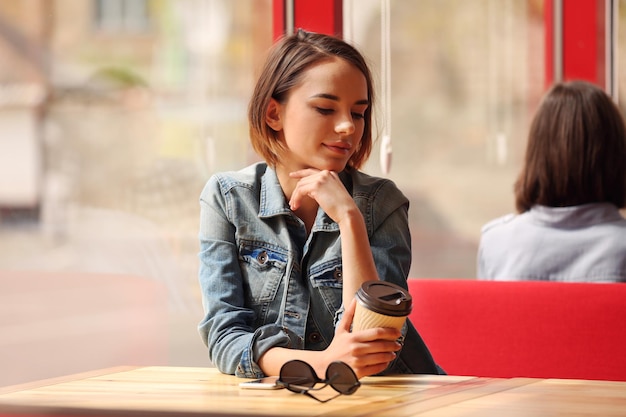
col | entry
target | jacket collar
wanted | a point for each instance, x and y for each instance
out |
(575, 216)
(273, 200)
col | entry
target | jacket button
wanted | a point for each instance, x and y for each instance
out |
(314, 337)
(338, 275)
(262, 257)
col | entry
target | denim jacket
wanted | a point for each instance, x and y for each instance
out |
(266, 284)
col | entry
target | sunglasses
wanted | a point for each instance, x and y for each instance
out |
(300, 377)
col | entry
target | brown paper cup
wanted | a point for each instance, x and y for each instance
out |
(368, 319)
(381, 304)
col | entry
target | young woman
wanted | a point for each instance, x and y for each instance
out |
(568, 195)
(285, 244)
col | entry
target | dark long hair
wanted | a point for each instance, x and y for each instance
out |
(576, 151)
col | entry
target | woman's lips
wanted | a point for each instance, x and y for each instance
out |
(339, 147)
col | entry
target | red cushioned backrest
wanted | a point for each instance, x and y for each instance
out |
(523, 329)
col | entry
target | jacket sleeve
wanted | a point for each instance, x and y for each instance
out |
(389, 234)
(233, 343)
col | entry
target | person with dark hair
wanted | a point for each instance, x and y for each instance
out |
(568, 195)
(286, 243)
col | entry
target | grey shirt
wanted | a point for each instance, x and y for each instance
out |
(585, 243)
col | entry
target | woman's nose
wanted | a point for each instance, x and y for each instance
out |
(344, 127)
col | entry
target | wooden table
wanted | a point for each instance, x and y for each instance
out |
(182, 391)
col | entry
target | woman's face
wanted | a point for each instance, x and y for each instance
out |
(322, 120)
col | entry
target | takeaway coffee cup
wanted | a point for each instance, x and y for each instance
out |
(381, 304)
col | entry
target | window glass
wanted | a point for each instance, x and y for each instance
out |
(108, 138)
(114, 113)
(465, 78)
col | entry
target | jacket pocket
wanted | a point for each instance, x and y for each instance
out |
(327, 279)
(262, 266)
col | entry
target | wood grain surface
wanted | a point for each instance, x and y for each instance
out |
(178, 391)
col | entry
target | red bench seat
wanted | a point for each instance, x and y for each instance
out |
(523, 329)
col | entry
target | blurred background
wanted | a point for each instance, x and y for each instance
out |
(114, 113)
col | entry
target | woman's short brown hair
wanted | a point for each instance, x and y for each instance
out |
(283, 69)
(576, 151)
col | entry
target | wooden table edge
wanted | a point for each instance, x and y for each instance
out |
(439, 396)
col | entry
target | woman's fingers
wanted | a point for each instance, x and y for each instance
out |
(348, 316)
(362, 346)
(378, 333)
(312, 182)
(373, 363)
(368, 351)
(325, 188)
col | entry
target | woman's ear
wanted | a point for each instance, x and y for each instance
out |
(273, 115)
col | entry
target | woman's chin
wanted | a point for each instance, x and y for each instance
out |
(334, 166)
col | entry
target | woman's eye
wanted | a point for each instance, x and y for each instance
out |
(358, 115)
(324, 111)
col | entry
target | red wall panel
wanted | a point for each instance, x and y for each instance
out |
(322, 16)
(583, 41)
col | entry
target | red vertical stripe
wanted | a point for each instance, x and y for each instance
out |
(322, 16)
(584, 40)
(278, 17)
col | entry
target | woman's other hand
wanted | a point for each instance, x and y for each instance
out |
(368, 352)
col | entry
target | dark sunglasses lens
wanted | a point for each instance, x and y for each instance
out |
(342, 378)
(298, 373)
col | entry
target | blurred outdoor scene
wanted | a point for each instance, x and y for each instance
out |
(114, 113)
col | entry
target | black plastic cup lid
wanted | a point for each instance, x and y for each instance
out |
(385, 298)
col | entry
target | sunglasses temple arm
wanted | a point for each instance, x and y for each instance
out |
(308, 394)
